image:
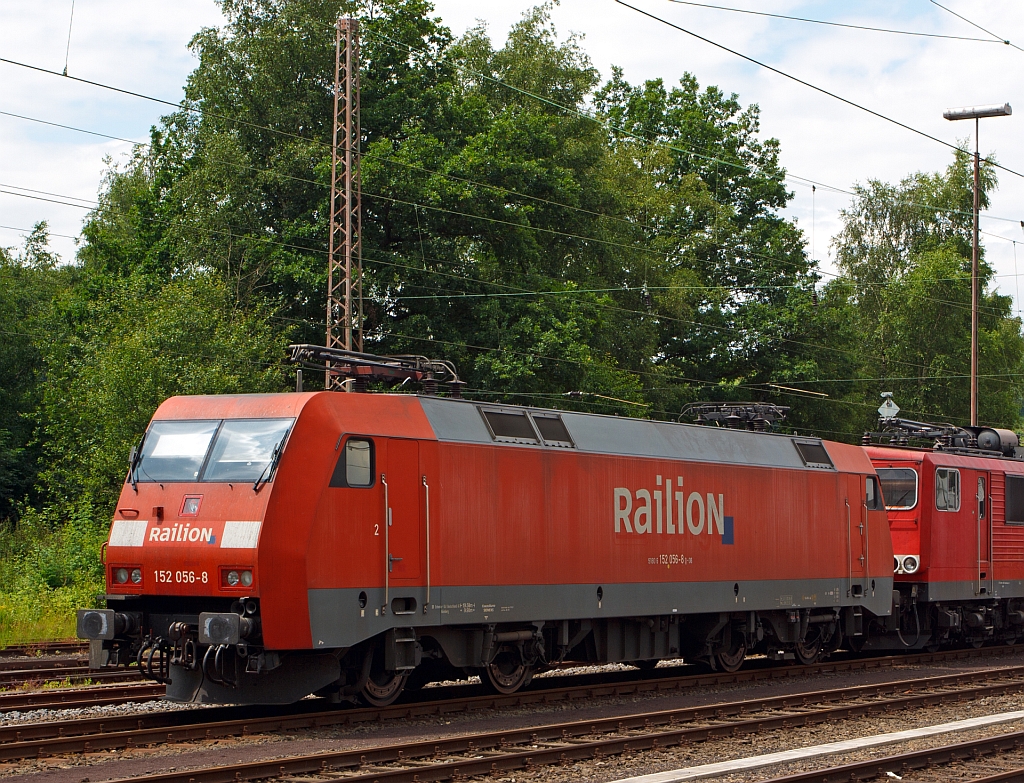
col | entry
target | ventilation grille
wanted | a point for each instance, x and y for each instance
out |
(510, 426)
(813, 454)
(519, 426)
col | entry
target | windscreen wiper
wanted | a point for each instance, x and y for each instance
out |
(268, 471)
(133, 463)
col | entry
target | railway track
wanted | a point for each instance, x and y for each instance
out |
(1003, 752)
(489, 753)
(543, 689)
(44, 648)
(23, 677)
(37, 664)
(77, 698)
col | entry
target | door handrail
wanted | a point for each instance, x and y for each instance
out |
(849, 545)
(387, 543)
(426, 489)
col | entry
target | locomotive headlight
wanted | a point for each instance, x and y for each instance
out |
(121, 575)
(136, 576)
(233, 578)
(246, 578)
(896, 564)
(911, 564)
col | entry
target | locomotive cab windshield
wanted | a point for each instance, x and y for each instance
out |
(899, 488)
(210, 451)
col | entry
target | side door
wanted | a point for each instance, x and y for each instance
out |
(403, 540)
(856, 531)
(983, 506)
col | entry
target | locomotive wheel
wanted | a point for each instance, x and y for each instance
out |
(644, 666)
(383, 688)
(507, 673)
(732, 660)
(808, 652)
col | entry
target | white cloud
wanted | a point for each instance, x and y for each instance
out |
(141, 47)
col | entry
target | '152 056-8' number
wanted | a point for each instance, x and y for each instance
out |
(180, 577)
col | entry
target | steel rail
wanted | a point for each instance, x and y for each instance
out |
(492, 752)
(75, 698)
(900, 763)
(1010, 776)
(26, 664)
(23, 676)
(43, 648)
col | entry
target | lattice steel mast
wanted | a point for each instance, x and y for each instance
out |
(345, 268)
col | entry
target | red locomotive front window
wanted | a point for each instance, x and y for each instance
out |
(238, 449)
(245, 449)
(899, 488)
(175, 450)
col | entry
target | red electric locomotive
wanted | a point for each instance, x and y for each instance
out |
(266, 547)
(956, 514)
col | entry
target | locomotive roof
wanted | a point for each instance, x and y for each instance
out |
(897, 453)
(461, 421)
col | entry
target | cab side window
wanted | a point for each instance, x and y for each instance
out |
(355, 464)
(1014, 500)
(947, 489)
(872, 494)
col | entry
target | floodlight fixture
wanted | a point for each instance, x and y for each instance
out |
(978, 112)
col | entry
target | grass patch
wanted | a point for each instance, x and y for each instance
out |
(49, 567)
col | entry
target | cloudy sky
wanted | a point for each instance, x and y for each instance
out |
(142, 46)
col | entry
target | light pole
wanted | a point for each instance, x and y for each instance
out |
(976, 113)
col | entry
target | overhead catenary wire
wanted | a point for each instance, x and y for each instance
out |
(736, 249)
(677, 377)
(675, 146)
(624, 310)
(473, 215)
(583, 114)
(838, 24)
(995, 37)
(379, 195)
(67, 50)
(91, 204)
(29, 231)
(809, 85)
(490, 186)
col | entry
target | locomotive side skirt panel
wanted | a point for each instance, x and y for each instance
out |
(336, 619)
(945, 592)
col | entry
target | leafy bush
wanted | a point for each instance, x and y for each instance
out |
(49, 567)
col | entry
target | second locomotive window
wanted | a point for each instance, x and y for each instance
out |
(947, 489)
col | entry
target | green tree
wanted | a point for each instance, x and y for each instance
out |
(28, 281)
(905, 251)
(639, 256)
